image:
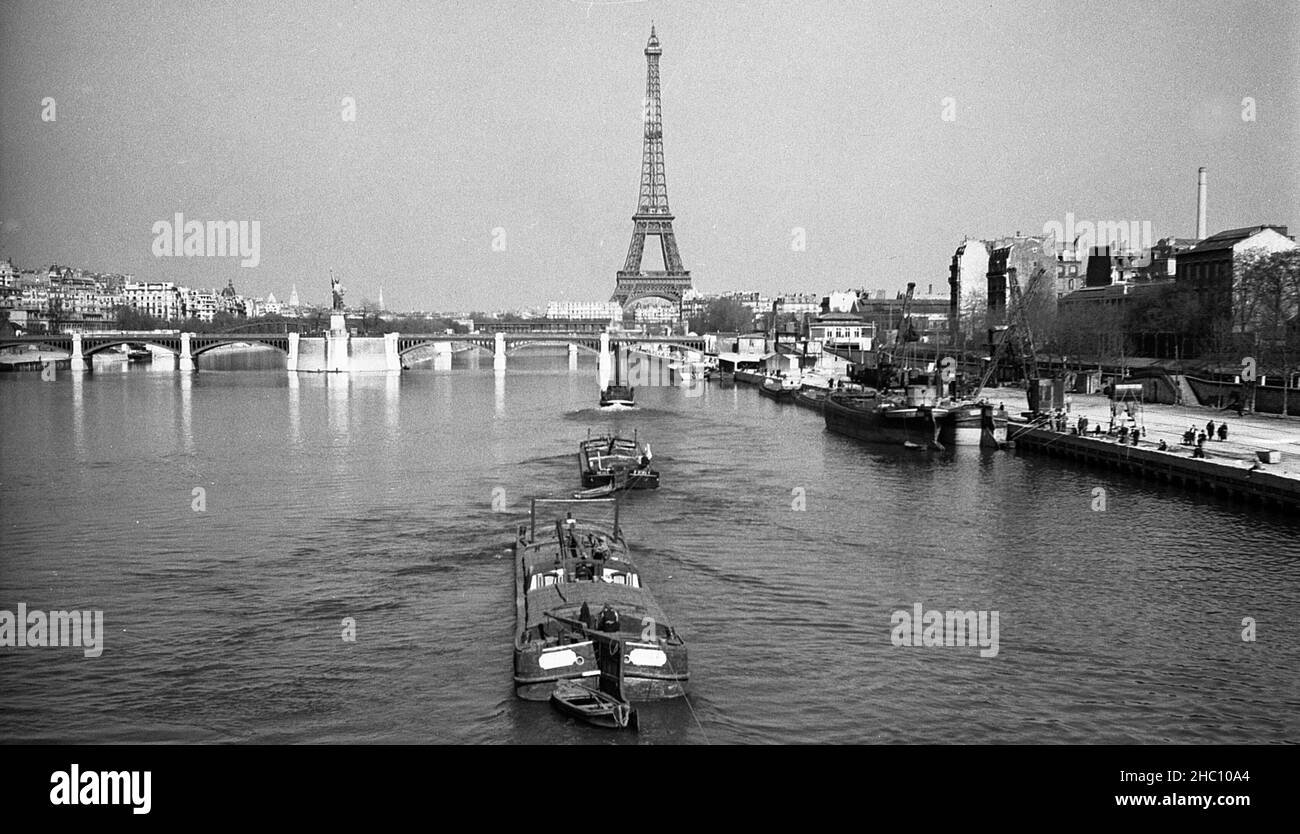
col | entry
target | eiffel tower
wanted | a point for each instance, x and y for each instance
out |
(652, 215)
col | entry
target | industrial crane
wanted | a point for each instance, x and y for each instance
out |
(1018, 340)
(906, 333)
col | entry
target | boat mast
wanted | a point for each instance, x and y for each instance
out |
(900, 336)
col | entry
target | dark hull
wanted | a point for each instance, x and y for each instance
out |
(638, 478)
(535, 680)
(814, 398)
(878, 421)
(600, 486)
(635, 687)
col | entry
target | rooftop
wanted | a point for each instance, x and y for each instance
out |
(1231, 237)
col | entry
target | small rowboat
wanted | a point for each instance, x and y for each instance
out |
(597, 708)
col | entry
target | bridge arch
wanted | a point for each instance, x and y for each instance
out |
(54, 343)
(514, 346)
(405, 346)
(197, 350)
(90, 348)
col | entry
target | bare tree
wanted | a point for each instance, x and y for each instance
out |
(1267, 287)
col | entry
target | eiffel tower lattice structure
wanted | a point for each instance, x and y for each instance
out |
(652, 214)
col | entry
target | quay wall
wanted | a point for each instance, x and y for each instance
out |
(1175, 467)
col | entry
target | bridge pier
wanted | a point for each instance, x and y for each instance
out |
(185, 362)
(442, 356)
(77, 362)
(499, 353)
(573, 357)
(292, 362)
(337, 351)
(392, 357)
(605, 367)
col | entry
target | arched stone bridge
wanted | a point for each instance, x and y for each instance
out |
(187, 346)
(517, 341)
(92, 343)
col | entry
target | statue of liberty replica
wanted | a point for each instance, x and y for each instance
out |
(336, 289)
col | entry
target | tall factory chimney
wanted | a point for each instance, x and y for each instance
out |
(1200, 204)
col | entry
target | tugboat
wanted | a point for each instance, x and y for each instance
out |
(573, 577)
(607, 464)
(617, 394)
(621, 395)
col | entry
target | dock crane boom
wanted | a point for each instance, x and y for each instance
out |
(1019, 337)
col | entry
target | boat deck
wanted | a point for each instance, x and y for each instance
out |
(601, 453)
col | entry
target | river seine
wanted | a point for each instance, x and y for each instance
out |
(226, 523)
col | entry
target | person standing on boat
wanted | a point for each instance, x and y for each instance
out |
(601, 550)
(584, 616)
(608, 619)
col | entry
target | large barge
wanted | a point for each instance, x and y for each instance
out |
(868, 415)
(580, 571)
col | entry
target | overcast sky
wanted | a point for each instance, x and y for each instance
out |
(526, 117)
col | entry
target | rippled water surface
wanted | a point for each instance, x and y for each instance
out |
(779, 550)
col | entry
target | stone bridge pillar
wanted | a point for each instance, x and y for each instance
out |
(292, 362)
(186, 360)
(392, 357)
(442, 356)
(573, 357)
(77, 362)
(606, 364)
(338, 347)
(499, 354)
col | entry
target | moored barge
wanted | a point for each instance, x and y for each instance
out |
(911, 420)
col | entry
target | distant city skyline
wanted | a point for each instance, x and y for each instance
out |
(494, 156)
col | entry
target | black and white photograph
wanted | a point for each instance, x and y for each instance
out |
(649, 373)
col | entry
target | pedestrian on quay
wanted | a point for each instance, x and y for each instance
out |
(1200, 441)
(1209, 429)
(1163, 447)
(1223, 431)
(1136, 435)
